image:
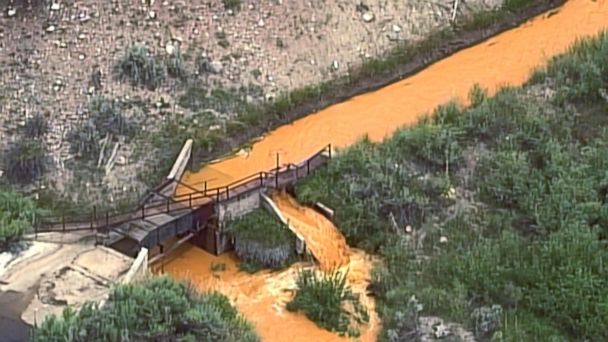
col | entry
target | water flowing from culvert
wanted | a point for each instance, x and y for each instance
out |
(322, 238)
(506, 59)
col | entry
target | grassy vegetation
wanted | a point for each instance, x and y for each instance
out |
(328, 301)
(160, 309)
(17, 214)
(140, 67)
(262, 242)
(508, 203)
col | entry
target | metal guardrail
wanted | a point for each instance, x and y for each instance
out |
(197, 198)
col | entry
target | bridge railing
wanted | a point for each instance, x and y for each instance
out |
(197, 197)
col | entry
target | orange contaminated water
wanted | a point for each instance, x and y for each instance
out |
(323, 239)
(262, 297)
(506, 59)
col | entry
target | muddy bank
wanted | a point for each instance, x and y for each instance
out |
(339, 91)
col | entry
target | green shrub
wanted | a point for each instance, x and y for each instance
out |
(25, 161)
(324, 299)
(17, 214)
(160, 309)
(140, 67)
(261, 241)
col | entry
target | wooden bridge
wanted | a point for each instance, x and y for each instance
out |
(198, 214)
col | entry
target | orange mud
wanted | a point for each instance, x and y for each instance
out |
(506, 59)
(262, 297)
(323, 239)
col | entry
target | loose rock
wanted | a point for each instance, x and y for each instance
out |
(368, 17)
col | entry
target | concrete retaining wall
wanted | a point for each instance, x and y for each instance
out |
(269, 205)
(139, 268)
(179, 167)
(238, 206)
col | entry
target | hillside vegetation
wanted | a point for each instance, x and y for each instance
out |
(494, 215)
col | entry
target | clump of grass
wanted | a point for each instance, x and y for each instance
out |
(261, 241)
(140, 67)
(328, 301)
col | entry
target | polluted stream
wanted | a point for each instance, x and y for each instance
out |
(505, 59)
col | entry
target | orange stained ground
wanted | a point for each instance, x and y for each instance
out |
(261, 297)
(507, 58)
(323, 239)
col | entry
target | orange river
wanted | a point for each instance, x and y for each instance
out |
(506, 59)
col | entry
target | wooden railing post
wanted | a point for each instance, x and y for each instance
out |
(307, 167)
(167, 205)
(190, 200)
(63, 221)
(205, 194)
(143, 211)
(261, 179)
(95, 216)
(107, 221)
(329, 151)
(218, 194)
(227, 192)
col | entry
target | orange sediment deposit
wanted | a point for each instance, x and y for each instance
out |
(506, 59)
(322, 238)
(261, 297)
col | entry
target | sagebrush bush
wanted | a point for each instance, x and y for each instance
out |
(140, 67)
(160, 309)
(25, 161)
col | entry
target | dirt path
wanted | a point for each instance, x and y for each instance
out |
(322, 237)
